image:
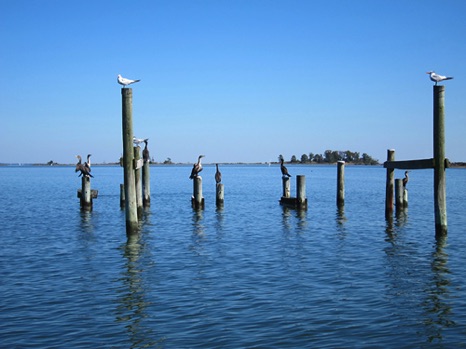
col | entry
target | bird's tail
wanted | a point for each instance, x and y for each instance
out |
(137, 80)
(449, 78)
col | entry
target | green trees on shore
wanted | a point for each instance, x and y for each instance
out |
(332, 156)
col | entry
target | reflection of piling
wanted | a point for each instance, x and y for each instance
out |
(128, 156)
(389, 186)
(146, 184)
(399, 204)
(137, 180)
(197, 201)
(440, 200)
(219, 195)
(340, 183)
(286, 187)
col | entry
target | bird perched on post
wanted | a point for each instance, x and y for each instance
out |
(284, 169)
(437, 78)
(218, 175)
(87, 164)
(197, 167)
(145, 152)
(138, 141)
(125, 82)
(406, 179)
(82, 168)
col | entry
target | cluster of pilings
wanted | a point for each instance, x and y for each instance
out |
(300, 201)
(135, 193)
(438, 163)
(197, 199)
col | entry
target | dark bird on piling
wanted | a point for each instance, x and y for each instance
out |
(284, 169)
(218, 175)
(197, 167)
(145, 152)
(437, 78)
(88, 162)
(406, 179)
(82, 168)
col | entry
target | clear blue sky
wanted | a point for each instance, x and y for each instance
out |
(236, 80)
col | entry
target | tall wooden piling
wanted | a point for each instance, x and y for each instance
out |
(146, 184)
(197, 201)
(122, 196)
(301, 192)
(389, 186)
(219, 195)
(128, 157)
(440, 201)
(86, 195)
(138, 180)
(399, 193)
(340, 183)
(286, 187)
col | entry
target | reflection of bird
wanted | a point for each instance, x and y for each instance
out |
(145, 153)
(406, 179)
(284, 169)
(197, 167)
(218, 175)
(125, 82)
(82, 168)
(437, 78)
(138, 141)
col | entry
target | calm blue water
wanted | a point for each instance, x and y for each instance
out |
(253, 275)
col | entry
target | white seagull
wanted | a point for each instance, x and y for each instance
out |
(437, 78)
(138, 141)
(125, 82)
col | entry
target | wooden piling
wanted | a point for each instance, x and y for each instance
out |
(340, 183)
(399, 194)
(86, 195)
(197, 201)
(219, 195)
(128, 157)
(439, 162)
(138, 180)
(301, 192)
(405, 198)
(122, 195)
(286, 187)
(390, 183)
(146, 184)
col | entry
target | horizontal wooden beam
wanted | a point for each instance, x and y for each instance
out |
(410, 164)
(413, 164)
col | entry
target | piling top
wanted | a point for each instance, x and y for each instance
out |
(341, 162)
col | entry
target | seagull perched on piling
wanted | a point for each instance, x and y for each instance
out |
(138, 141)
(197, 167)
(437, 78)
(125, 82)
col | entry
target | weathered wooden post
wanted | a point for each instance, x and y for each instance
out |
(340, 183)
(146, 184)
(86, 194)
(137, 180)
(197, 201)
(399, 194)
(286, 186)
(301, 199)
(405, 198)
(219, 195)
(440, 201)
(390, 183)
(128, 157)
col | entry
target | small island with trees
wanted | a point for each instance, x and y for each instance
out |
(333, 156)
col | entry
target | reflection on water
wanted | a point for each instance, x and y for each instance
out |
(132, 304)
(418, 278)
(294, 219)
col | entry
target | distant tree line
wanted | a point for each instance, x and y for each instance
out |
(332, 156)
